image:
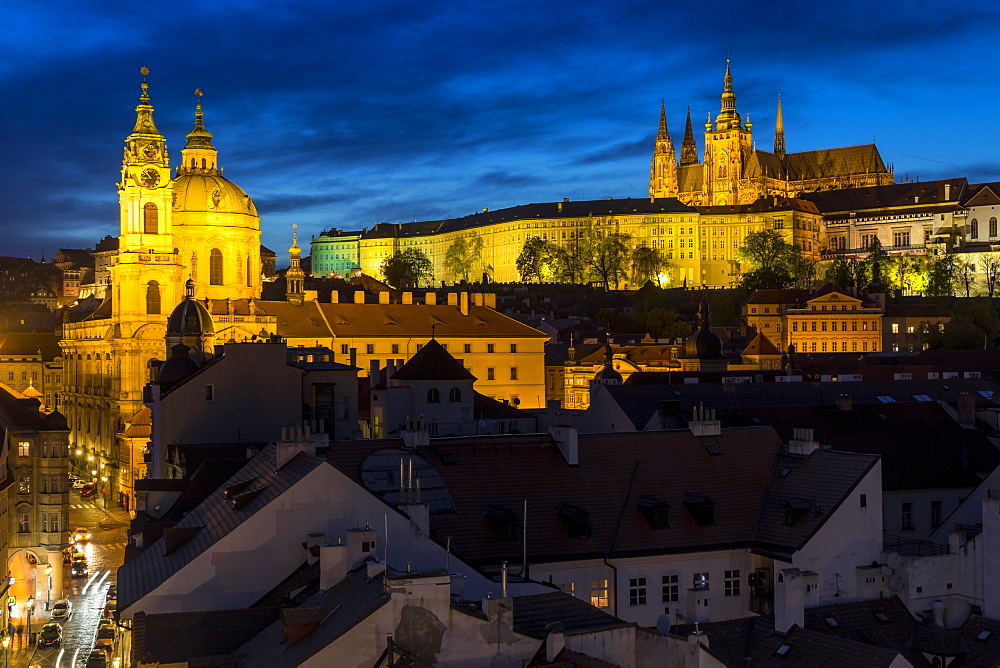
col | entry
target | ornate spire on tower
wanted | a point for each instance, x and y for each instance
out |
(295, 277)
(145, 145)
(663, 170)
(689, 150)
(727, 118)
(779, 132)
(199, 155)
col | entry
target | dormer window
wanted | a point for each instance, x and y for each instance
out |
(575, 520)
(655, 511)
(503, 523)
(702, 509)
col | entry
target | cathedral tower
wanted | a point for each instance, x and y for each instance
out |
(689, 150)
(663, 171)
(779, 133)
(295, 277)
(727, 148)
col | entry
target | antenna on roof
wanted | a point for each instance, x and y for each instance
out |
(433, 325)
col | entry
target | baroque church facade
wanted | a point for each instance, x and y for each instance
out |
(192, 225)
(734, 172)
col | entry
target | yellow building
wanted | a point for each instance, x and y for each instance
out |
(827, 320)
(580, 370)
(701, 243)
(196, 225)
(734, 171)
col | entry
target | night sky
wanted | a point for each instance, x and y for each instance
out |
(341, 114)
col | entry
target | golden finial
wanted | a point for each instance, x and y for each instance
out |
(295, 239)
(197, 91)
(144, 71)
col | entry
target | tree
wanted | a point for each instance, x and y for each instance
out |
(965, 273)
(411, 262)
(563, 264)
(531, 259)
(647, 265)
(879, 263)
(802, 269)
(462, 257)
(941, 275)
(905, 270)
(608, 258)
(772, 259)
(989, 264)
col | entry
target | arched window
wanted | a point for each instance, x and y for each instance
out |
(193, 163)
(433, 396)
(454, 394)
(150, 225)
(250, 275)
(203, 163)
(974, 229)
(993, 226)
(153, 297)
(215, 267)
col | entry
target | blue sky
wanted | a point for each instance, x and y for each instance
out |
(337, 114)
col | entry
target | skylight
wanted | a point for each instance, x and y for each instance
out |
(881, 617)
(984, 635)
(922, 397)
(831, 622)
(886, 399)
(783, 650)
(988, 394)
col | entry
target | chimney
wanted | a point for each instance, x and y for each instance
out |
(555, 642)
(802, 442)
(844, 402)
(332, 565)
(789, 600)
(373, 372)
(430, 298)
(354, 356)
(464, 302)
(360, 546)
(407, 297)
(567, 440)
(966, 409)
(938, 609)
(697, 637)
(383, 297)
(947, 191)
(359, 296)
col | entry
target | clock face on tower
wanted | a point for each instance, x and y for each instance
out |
(150, 177)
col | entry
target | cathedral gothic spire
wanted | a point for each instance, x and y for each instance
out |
(689, 150)
(779, 132)
(728, 117)
(199, 155)
(663, 170)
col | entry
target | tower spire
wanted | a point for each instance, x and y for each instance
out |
(727, 118)
(779, 132)
(689, 150)
(295, 277)
(199, 155)
(663, 169)
(145, 145)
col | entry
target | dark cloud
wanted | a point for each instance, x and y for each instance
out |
(341, 114)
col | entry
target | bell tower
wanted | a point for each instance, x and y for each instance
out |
(147, 272)
(727, 148)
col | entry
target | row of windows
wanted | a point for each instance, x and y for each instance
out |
(810, 346)
(974, 228)
(215, 277)
(811, 326)
(669, 588)
(434, 395)
(51, 523)
(906, 515)
(345, 348)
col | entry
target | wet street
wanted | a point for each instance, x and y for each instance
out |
(105, 553)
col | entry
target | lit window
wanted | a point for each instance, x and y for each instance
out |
(215, 267)
(23, 449)
(599, 593)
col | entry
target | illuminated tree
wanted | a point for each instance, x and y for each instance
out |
(410, 262)
(941, 275)
(531, 259)
(647, 265)
(989, 264)
(462, 257)
(608, 259)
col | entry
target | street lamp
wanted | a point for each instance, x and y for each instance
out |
(29, 605)
(6, 656)
(48, 575)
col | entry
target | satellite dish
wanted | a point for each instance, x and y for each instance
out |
(893, 560)
(895, 582)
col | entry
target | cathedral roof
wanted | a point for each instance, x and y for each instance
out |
(690, 178)
(830, 162)
(210, 193)
(929, 194)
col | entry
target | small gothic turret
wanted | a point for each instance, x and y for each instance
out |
(779, 132)
(295, 277)
(689, 150)
(199, 155)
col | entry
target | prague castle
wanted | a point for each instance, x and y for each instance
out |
(734, 171)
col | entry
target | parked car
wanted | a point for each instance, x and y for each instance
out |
(105, 640)
(111, 593)
(79, 567)
(50, 635)
(97, 659)
(77, 483)
(110, 607)
(81, 534)
(62, 609)
(88, 489)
